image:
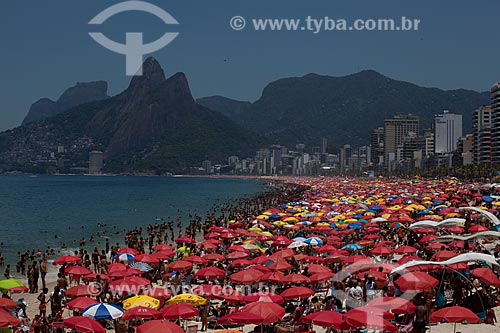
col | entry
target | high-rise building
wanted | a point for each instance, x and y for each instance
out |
(396, 130)
(377, 146)
(95, 162)
(481, 131)
(447, 131)
(495, 123)
(324, 145)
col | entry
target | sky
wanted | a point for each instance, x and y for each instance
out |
(46, 47)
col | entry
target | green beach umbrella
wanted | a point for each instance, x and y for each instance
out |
(6, 285)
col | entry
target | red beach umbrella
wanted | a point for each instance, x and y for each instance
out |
(210, 291)
(487, 276)
(237, 255)
(84, 325)
(316, 269)
(129, 285)
(405, 250)
(185, 240)
(297, 292)
(141, 313)
(248, 276)
(128, 250)
(240, 318)
(295, 279)
(325, 319)
(239, 248)
(369, 321)
(117, 267)
(197, 260)
(8, 304)
(210, 273)
(77, 270)
(477, 228)
(271, 312)
(280, 265)
(455, 314)
(158, 293)
(93, 277)
(264, 297)
(163, 247)
(214, 257)
(147, 258)
(81, 291)
(155, 326)
(321, 277)
(68, 260)
(80, 303)
(396, 305)
(444, 255)
(381, 251)
(180, 265)
(416, 282)
(176, 311)
(276, 277)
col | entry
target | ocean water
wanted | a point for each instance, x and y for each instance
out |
(33, 210)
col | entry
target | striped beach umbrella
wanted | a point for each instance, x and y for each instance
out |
(103, 311)
(142, 266)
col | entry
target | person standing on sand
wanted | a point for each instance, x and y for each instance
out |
(7, 272)
(43, 302)
(36, 276)
(43, 272)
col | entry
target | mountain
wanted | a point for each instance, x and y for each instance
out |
(341, 109)
(154, 125)
(82, 92)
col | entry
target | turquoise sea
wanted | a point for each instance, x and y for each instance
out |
(34, 209)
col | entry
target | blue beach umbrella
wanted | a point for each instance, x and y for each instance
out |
(352, 247)
(354, 226)
(487, 198)
(126, 257)
(314, 241)
(103, 311)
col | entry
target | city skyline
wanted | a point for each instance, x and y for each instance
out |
(69, 55)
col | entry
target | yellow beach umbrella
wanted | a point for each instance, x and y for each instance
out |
(141, 300)
(291, 219)
(262, 217)
(190, 299)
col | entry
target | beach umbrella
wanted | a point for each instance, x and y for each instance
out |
(359, 319)
(487, 276)
(405, 250)
(240, 318)
(283, 254)
(279, 265)
(185, 240)
(211, 291)
(264, 297)
(126, 273)
(126, 257)
(325, 319)
(271, 312)
(129, 285)
(163, 255)
(176, 311)
(80, 303)
(77, 270)
(210, 273)
(477, 228)
(444, 255)
(197, 260)
(6, 320)
(315, 269)
(236, 297)
(397, 305)
(241, 263)
(237, 255)
(416, 282)
(321, 277)
(180, 265)
(248, 276)
(141, 266)
(190, 299)
(237, 248)
(68, 260)
(297, 244)
(313, 241)
(275, 277)
(297, 292)
(141, 313)
(81, 291)
(93, 277)
(84, 325)
(7, 303)
(455, 314)
(381, 251)
(214, 257)
(10, 284)
(155, 326)
(158, 293)
(295, 279)
(352, 247)
(103, 311)
(147, 258)
(115, 267)
(163, 247)
(141, 300)
(128, 250)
